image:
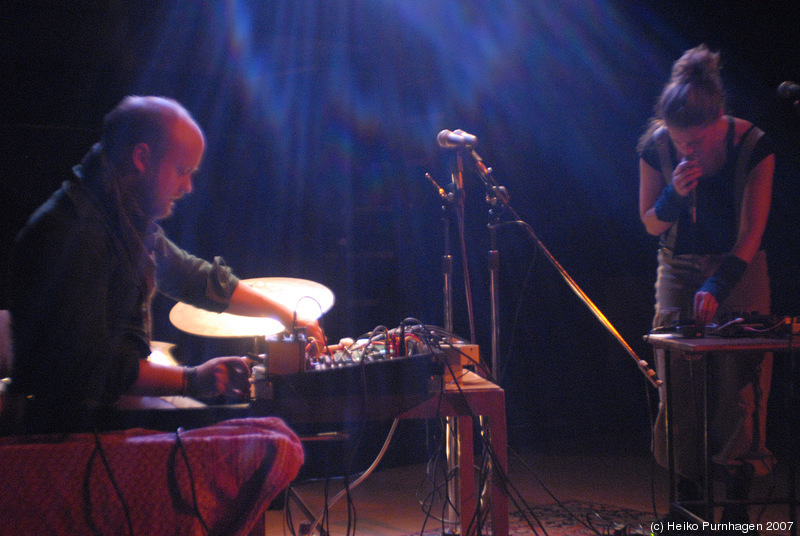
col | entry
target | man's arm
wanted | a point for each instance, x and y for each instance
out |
(213, 286)
(248, 301)
(227, 376)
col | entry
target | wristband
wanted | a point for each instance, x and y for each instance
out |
(729, 273)
(190, 387)
(668, 206)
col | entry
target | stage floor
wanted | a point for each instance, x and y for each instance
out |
(604, 469)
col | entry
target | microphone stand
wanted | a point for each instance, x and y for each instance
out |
(451, 201)
(497, 197)
(458, 183)
(447, 258)
(494, 284)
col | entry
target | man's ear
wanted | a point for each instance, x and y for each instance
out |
(141, 157)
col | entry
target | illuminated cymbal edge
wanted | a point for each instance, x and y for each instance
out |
(310, 300)
(209, 324)
(296, 294)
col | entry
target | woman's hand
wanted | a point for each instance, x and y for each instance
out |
(685, 176)
(705, 307)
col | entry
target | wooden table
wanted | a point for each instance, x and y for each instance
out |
(468, 399)
(700, 348)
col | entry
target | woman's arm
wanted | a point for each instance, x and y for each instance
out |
(651, 186)
(755, 209)
(756, 200)
(659, 205)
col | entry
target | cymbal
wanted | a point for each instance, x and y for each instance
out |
(310, 300)
(161, 353)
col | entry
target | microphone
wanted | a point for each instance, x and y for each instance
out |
(455, 139)
(789, 90)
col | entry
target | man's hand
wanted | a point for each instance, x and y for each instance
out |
(222, 376)
(313, 330)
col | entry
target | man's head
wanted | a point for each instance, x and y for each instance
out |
(155, 143)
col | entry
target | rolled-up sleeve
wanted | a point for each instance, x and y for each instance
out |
(190, 279)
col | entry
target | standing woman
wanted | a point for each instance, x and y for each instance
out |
(705, 186)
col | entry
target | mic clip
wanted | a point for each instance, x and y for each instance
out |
(497, 195)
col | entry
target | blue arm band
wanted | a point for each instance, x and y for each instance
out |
(668, 206)
(725, 278)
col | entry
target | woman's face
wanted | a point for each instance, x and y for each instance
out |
(700, 142)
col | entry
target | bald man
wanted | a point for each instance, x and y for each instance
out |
(86, 266)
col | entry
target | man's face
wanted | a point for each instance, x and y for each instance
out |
(169, 178)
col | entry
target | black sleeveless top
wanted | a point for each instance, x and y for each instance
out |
(716, 228)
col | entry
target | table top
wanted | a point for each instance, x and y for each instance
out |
(708, 343)
(470, 381)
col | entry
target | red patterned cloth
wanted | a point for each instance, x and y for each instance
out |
(215, 480)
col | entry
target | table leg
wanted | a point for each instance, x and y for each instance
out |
(466, 474)
(497, 430)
